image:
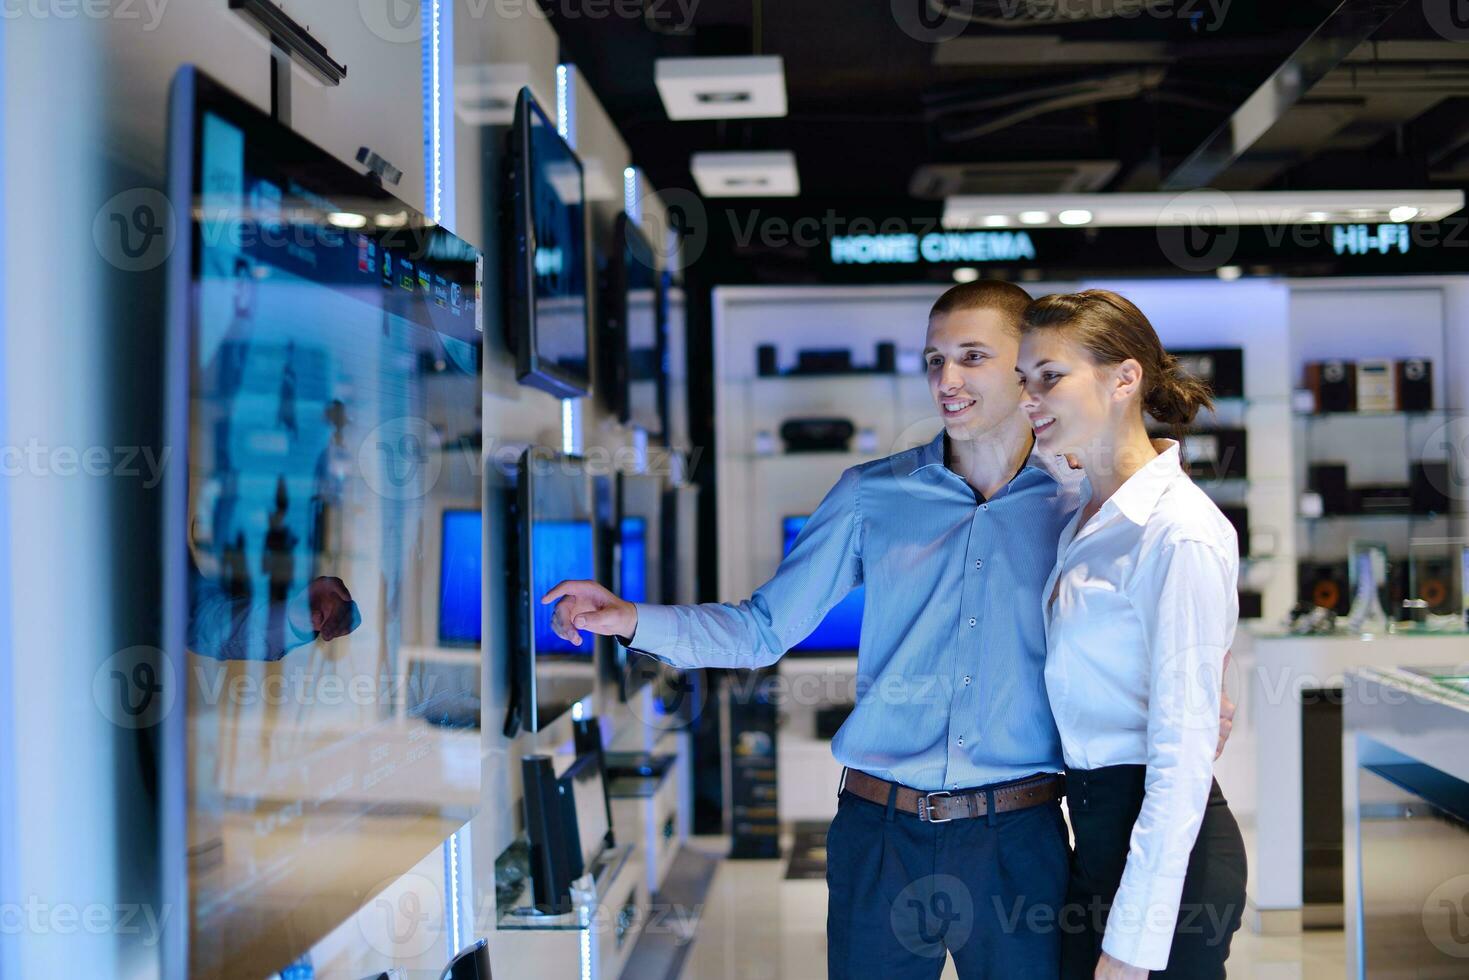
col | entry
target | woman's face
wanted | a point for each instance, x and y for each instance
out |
(1071, 401)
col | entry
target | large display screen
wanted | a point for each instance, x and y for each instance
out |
(633, 564)
(642, 548)
(841, 630)
(557, 542)
(460, 577)
(550, 314)
(330, 340)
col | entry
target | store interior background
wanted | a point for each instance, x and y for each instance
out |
(84, 113)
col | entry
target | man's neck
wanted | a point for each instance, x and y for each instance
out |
(990, 461)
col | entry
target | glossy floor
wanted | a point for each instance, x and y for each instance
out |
(757, 925)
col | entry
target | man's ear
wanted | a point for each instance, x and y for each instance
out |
(1129, 375)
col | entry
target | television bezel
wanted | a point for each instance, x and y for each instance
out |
(630, 679)
(523, 330)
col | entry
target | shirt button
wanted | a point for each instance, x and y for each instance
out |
(984, 506)
(972, 620)
(961, 739)
(966, 680)
(979, 563)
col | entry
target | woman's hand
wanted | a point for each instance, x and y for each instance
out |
(588, 606)
(1110, 969)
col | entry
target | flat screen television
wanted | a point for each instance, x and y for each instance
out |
(323, 379)
(641, 556)
(460, 577)
(549, 319)
(556, 541)
(634, 337)
(841, 630)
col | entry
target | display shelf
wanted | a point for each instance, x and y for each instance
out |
(1329, 518)
(1327, 417)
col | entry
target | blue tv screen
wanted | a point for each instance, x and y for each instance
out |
(634, 576)
(459, 578)
(842, 627)
(559, 550)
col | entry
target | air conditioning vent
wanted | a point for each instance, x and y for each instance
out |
(936, 181)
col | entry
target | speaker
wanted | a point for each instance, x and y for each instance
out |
(828, 360)
(1432, 580)
(1216, 453)
(1329, 481)
(1415, 385)
(816, 435)
(1428, 482)
(1239, 516)
(765, 361)
(1221, 368)
(887, 358)
(1251, 604)
(1334, 384)
(1325, 584)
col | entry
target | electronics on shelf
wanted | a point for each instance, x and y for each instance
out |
(1377, 389)
(566, 823)
(825, 361)
(1221, 368)
(1370, 385)
(633, 342)
(639, 572)
(1216, 453)
(1425, 493)
(817, 435)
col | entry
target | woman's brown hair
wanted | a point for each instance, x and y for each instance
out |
(1112, 330)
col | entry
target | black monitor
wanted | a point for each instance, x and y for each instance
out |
(634, 334)
(323, 379)
(640, 559)
(470, 964)
(550, 313)
(567, 823)
(556, 541)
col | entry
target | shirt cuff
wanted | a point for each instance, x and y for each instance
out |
(298, 615)
(657, 630)
(1141, 923)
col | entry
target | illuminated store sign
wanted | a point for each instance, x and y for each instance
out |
(938, 246)
(1361, 240)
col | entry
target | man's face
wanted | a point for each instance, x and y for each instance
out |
(970, 358)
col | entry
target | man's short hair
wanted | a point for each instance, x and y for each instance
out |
(985, 294)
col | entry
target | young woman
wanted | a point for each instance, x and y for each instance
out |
(1140, 611)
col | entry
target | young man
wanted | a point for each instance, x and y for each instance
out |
(948, 834)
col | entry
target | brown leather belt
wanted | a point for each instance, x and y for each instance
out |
(943, 805)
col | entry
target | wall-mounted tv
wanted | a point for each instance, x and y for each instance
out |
(323, 377)
(641, 555)
(634, 337)
(556, 541)
(841, 630)
(549, 317)
(460, 577)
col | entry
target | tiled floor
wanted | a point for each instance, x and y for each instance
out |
(758, 926)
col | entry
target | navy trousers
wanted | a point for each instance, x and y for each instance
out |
(903, 892)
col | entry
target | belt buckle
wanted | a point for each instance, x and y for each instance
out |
(925, 808)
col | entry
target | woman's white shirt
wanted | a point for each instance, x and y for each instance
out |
(1141, 608)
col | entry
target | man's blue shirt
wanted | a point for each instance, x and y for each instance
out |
(950, 666)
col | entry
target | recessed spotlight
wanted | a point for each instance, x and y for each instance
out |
(1034, 217)
(1317, 216)
(966, 273)
(1402, 213)
(395, 220)
(1229, 273)
(1075, 216)
(346, 219)
(996, 221)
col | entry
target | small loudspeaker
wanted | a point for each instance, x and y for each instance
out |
(1334, 383)
(1415, 385)
(1329, 482)
(765, 362)
(816, 435)
(1222, 369)
(1325, 585)
(1428, 482)
(887, 358)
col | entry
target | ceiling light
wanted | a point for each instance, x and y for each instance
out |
(395, 220)
(346, 219)
(1075, 216)
(769, 174)
(1229, 273)
(722, 88)
(1402, 213)
(966, 273)
(996, 221)
(1034, 217)
(1317, 216)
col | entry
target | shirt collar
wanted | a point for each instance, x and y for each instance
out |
(1139, 493)
(932, 454)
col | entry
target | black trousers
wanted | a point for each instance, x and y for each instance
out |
(903, 892)
(1104, 805)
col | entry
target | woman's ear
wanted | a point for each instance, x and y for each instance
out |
(1129, 375)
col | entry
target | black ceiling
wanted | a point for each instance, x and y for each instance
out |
(870, 104)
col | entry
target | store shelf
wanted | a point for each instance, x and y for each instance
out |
(1315, 418)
